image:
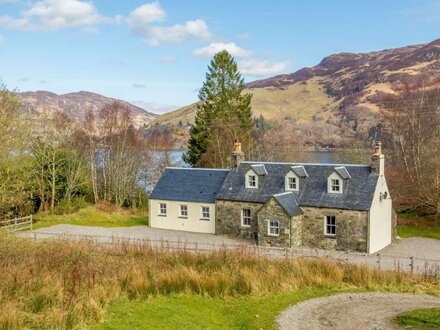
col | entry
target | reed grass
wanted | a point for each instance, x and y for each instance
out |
(67, 285)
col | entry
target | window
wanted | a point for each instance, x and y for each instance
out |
(205, 213)
(274, 228)
(162, 209)
(330, 225)
(252, 181)
(292, 183)
(246, 217)
(335, 185)
(183, 211)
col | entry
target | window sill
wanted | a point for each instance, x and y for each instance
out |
(205, 219)
(245, 226)
(330, 236)
(182, 217)
(161, 215)
(273, 235)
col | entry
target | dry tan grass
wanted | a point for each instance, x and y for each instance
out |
(60, 284)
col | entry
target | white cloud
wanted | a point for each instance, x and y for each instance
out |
(148, 13)
(167, 59)
(215, 47)
(155, 35)
(155, 107)
(137, 85)
(54, 15)
(260, 67)
(2, 39)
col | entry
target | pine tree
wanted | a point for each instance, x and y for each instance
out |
(223, 108)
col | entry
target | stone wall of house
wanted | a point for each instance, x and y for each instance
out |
(228, 219)
(351, 229)
(273, 211)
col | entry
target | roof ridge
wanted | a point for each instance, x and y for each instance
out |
(197, 168)
(284, 193)
(302, 164)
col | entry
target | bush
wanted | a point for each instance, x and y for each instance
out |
(66, 207)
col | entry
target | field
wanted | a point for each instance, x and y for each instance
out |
(68, 285)
(94, 216)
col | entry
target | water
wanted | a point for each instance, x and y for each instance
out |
(313, 156)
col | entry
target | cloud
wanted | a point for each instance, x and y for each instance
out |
(54, 15)
(154, 107)
(137, 85)
(2, 39)
(178, 33)
(25, 79)
(167, 59)
(142, 16)
(243, 36)
(215, 47)
(260, 67)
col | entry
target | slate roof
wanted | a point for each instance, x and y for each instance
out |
(300, 171)
(313, 191)
(343, 173)
(288, 202)
(189, 185)
(259, 169)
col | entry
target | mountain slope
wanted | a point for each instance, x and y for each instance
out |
(77, 104)
(342, 87)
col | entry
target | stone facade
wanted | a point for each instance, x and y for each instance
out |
(228, 219)
(351, 229)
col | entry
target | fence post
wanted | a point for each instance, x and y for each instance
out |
(31, 221)
(379, 260)
(411, 264)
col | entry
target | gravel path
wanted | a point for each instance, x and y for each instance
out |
(418, 247)
(352, 311)
(104, 235)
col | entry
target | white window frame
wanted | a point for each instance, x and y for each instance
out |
(327, 225)
(183, 213)
(161, 209)
(289, 176)
(335, 176)
(247, 217)
(249, 174)
(203, 213)
(270, 226)
(335, 183)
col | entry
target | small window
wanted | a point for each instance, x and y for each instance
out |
(183, 211)
(246, 218)
(292, 183)
(205, 213)
(335, 185)
(274, 227)
(330, 225)
(252, 181)
(162, 209)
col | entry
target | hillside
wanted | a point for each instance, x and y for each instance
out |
(341, 88)
(77, 104)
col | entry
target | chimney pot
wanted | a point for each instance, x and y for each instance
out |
(237, 155)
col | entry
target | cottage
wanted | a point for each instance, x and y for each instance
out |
(329, 206)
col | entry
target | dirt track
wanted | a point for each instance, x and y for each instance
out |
(353, 311)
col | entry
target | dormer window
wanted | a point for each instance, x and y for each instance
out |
(251, 179)
(335, 185)
(292, 183)
(292, 178)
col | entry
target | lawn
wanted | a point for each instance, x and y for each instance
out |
(422, 318)
(91, 216)
(410, 224)
(197, 312)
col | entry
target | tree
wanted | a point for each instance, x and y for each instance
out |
(223, 115)
(413, 116)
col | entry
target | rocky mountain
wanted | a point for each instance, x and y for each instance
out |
(341, 91)
(77, 104)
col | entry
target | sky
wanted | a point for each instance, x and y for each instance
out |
(155, 54)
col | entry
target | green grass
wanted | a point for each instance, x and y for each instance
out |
(198, 312)
(421, 318)
(407, 231)
(90, 216)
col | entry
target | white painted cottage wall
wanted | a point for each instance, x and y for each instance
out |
(172, 220)
(380, 218)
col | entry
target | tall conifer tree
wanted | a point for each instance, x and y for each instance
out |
(223, 109)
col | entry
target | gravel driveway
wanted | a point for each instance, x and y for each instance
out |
(417, 247)
(352, 311)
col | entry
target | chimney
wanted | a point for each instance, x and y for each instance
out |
(237, 155)
(378, 160)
